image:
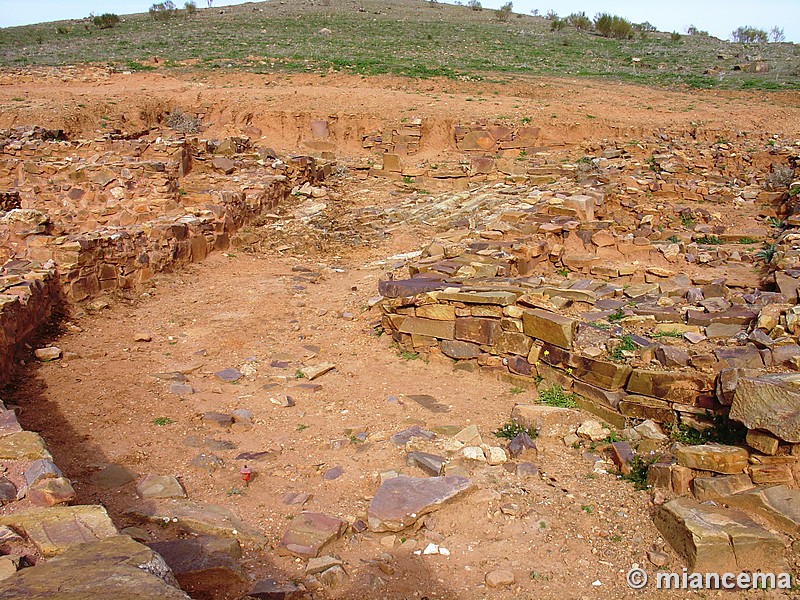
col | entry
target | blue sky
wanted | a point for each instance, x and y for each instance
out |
(718, 17)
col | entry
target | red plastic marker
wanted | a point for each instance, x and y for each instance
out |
(247, 473)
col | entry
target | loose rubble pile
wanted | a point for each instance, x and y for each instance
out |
(652, 284)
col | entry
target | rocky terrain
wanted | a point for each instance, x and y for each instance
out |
(337, 355)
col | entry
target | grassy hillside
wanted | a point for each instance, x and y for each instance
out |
(403, 37)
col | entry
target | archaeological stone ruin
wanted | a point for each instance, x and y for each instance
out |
(607, 275)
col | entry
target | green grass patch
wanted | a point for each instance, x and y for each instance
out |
(672, 333)
(711, 240)
(556, 396)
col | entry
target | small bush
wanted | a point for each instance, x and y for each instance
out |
(613, 26)
(767, 253)
(776, 34)
(557, 24)
(163, 10)
(625, 345)
(512, 429)
(638, 474)
(672, 333)
(190, 8)
(747, 34)
(551, 15)
(105, 21)
(579, 21)
(675, 36)
(475, 5)
(504, 11)
(692, 30)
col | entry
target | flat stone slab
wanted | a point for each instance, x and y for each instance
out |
(711, 457)
(770, 404)
(778, 504)
(55, 529)
(115, 567)
(112, 476)
(549, 327)
(718, 540)
(230, 375)
(313, 371)
(24, 445)
(400, 501)
(199, 518)
(718, 488)
(8, 491)
(160, 486)
(309, 533)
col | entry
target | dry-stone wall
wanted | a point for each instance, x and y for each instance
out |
(87, 217)
(553, 289)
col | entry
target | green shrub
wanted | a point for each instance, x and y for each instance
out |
(579, 21)
(475, 5)
(776, 34)
(190, 8)
(512, 429)
(625, 345)
(163, 10)
(613, 26)
(504, 11)
(747, 34)
(692, 30)
(557, 24)
(105, 21)
(767, 253)
(675, 36)
(638, 474)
